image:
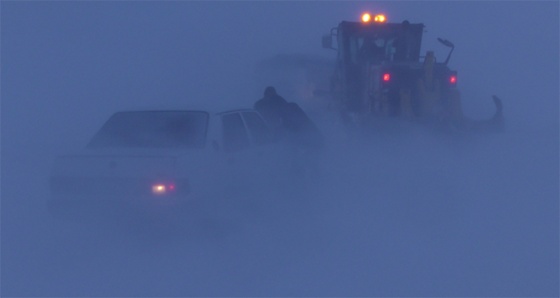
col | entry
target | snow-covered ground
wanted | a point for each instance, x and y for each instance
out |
(408, 216)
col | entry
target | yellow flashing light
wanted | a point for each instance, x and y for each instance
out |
(366, 17)
(380, 18)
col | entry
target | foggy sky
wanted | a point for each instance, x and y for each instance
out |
(67, 66)
(100, 56)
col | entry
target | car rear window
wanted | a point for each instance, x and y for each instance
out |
(153, 129)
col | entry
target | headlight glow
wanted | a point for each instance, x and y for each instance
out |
(159, 189)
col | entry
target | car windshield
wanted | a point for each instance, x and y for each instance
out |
(153, 129)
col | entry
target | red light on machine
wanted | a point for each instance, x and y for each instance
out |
(386, 77)
(453, 79)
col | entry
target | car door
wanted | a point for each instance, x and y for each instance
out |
(271, 158)
(262, 139)
(238, 150)
(260, 134)
(251, 153)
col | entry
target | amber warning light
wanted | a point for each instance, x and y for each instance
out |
(379, 18)
(366, 17)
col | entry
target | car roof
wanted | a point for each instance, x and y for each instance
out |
(211, 110)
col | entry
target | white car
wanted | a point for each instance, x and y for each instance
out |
(157, 160)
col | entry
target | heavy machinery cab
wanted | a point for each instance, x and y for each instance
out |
(379, 65)
(379, 42)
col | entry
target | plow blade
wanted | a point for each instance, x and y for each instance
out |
(494, 124)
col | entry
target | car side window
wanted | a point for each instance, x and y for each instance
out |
(234, 132)
(258, 129)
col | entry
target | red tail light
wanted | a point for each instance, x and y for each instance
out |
(386, 77)
(453, 79)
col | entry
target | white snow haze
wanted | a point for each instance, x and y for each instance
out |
(415, 214)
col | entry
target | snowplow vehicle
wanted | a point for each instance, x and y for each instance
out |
(381, 74)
